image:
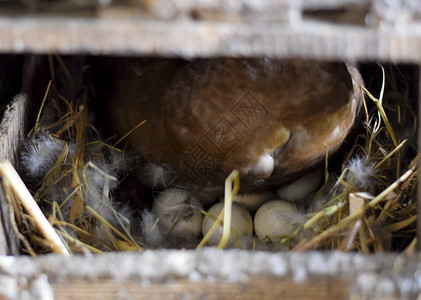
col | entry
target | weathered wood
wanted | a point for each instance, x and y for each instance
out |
(11, 136)
(12, 128)
(309, 29)
(256, 288)
(212, 274)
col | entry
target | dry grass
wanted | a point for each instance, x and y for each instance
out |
(368, 216)
(369, 206)
(69, 191)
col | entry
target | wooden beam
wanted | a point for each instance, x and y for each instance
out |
(12, 128)
(212, 274)
(131, 34)
(256, 288)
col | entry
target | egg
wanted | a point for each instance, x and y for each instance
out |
(276, 219)
(302, 187)
(241, 224)
(179, 213)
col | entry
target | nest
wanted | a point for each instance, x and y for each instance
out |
(367, 204)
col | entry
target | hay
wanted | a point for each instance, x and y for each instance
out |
(369, 206)
(76, 190)
(365, 210)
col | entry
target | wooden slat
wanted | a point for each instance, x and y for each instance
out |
(11, 136)
(127, 33)
(255, 6)
(213, 274)
(256, 288)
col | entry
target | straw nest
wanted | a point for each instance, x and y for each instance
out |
(367, 203)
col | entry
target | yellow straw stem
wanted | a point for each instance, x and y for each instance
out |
(130, 132)
(11, 177)
(41, 108)
(390, 154)
(230, 192)
(211, 231)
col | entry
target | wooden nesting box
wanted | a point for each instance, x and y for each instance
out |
(363, 30)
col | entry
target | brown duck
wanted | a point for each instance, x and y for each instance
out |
(271, 119)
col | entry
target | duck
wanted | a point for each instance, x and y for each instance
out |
(272, 119)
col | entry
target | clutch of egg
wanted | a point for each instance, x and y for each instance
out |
(179, 214)
(273, 120)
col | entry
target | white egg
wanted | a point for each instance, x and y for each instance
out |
(276, 219)
(241, 223)
(178, 212)
(252, 201)
(302, 187)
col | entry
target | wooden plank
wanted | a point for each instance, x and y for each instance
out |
(12, 128)
(254, 288)
(134, 32)
(127, 36)
(260, 9)
(213, 274)
(256, 6)
(11, 136)
(172, 8)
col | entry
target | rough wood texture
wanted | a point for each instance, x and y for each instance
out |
(11, 135)
(323, 30)
(257, 288)
(212, 274)
(12, 128)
